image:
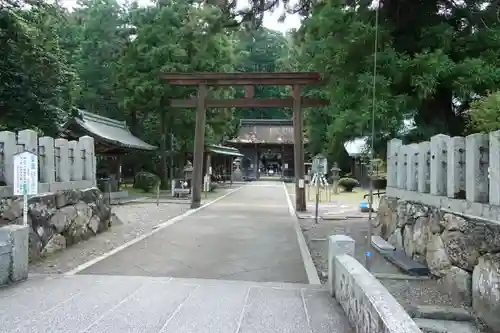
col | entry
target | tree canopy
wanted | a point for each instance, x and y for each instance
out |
(437, 66)
(434, 59)
(107, 58)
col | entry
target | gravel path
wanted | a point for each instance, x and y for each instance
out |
(409, 292)
(137, 219)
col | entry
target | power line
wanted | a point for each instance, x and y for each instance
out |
(368, 256)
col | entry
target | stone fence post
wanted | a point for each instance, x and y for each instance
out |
(392, 161)
(456, 166)
(63, 166)
(46, 159)
(439, 146)
(494, 168)
(7, 150)
(86, 144)
(27, 140)
(75, 158)
(337, 245)
(402, 167)
(423, 172)
(411, 167)
(476, 164)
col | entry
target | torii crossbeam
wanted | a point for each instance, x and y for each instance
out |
(249, 80)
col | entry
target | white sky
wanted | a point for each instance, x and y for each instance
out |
(270, 19)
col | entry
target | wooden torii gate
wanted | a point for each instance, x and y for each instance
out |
(249, 81)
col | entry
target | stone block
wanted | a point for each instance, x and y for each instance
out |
(18, 238)
(337, 245)
(436, 257)
(396, 239)
(381, 244)
(486, 290)
(458, 283)
(5, 250)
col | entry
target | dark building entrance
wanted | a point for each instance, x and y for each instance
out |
(267, 146)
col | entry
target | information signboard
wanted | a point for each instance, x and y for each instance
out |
(319, 165)
(25, 173)
(25, 178)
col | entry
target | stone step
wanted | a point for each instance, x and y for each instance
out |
(440, 313)
(381, 244)
(96, 304)
(445, 326)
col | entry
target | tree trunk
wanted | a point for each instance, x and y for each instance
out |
(163, 172)
(134, 128)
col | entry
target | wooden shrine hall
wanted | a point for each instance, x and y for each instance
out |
(112, 139)
(266, 144)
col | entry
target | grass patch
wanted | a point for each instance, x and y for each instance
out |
(355, 197)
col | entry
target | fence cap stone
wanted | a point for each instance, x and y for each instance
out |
(343, 238)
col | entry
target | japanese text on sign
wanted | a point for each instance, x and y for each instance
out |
(25, 173)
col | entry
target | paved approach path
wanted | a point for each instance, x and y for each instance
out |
(249, 235)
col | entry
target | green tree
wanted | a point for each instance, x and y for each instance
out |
(263, 50)
(172, 37)
(99, 27)
(35, 80)
(484, 113)
(433, 60)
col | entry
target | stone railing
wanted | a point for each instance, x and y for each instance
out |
(442, 208)
(366, 302)
(460, 174)
(62, 164)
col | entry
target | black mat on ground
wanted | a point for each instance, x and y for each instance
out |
(406, 264)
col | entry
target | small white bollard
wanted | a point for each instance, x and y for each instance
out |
(337, 245)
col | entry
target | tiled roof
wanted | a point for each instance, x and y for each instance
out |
(275, 131)
(109, 130)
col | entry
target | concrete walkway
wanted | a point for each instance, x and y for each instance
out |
(181, 280)
(249, 235)
(135, 304)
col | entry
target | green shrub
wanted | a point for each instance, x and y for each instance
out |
(146, 181)
(348, 184)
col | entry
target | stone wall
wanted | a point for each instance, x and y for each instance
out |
(58, 219)
(464, 253)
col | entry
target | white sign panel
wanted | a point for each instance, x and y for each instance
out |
(319, 165)
(25, 173)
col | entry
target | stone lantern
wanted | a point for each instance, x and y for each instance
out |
(188, 171)
(335, 172)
